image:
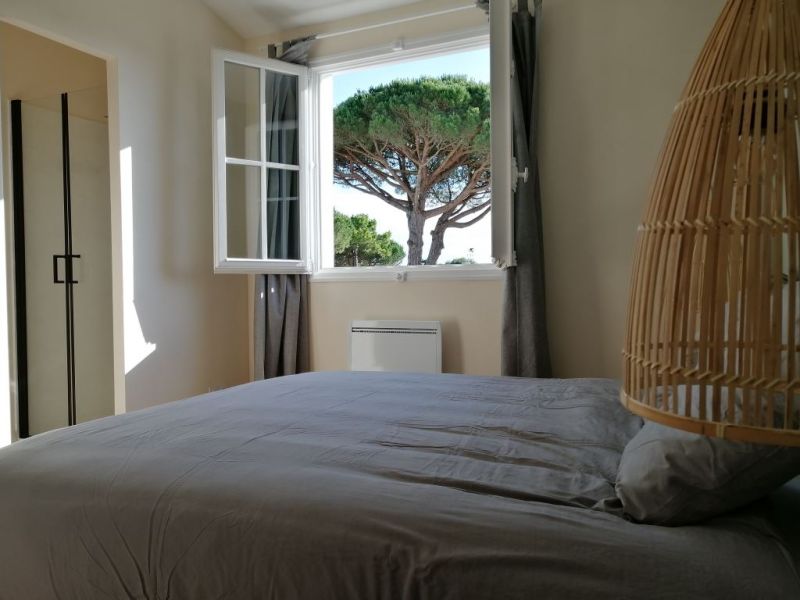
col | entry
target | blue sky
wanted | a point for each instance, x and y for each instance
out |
(474, 241)
(474, 64)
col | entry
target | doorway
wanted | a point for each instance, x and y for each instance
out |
(57, 178)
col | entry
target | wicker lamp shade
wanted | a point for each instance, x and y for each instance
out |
(713, 332)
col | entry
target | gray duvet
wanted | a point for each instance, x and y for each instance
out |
(356, 485)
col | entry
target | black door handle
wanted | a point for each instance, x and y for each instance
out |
(68, 258)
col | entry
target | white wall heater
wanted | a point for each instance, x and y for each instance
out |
(408, 346)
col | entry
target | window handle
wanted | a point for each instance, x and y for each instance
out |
(516, 174)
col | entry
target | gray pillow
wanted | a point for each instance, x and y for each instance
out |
(670, 477)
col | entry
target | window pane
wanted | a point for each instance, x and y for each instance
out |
(283, 214)
(243, 186)
(375, 177)
(282, 130)
(242, 112)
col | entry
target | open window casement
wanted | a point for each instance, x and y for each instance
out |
(503, 164)
(260, 165)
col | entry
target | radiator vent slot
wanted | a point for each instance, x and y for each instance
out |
(405, 346)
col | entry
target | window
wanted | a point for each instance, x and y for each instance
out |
(260, 165)
(404, 162)
(338, 201)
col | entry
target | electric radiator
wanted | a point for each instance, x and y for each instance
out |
(407, 346)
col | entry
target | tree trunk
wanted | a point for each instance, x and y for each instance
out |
(437, 245)
(416, 228)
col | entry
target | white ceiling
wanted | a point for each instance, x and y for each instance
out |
(253, 18)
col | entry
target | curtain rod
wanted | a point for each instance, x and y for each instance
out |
(427, 15)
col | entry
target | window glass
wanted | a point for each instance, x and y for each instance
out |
(242, 112)
(410, 163)
(243, 211)
(282, 107)
(283, 214)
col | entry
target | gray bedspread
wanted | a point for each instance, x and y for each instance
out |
(356, 485)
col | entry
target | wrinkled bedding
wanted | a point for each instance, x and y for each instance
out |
(362, 485)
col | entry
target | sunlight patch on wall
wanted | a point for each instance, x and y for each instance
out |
(137, 348)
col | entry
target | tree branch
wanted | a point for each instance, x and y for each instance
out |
(466, 193)
(464, 224)
(363, 159)
(369, 187)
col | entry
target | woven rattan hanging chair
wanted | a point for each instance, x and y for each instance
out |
(712, 335)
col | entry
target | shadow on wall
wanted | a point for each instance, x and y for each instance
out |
(584, 264)
(7, 412)
(452, 347)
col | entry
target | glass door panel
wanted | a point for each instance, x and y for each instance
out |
(44, 238)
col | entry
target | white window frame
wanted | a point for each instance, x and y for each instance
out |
(315, 232)
(222, 263)
(325, 67)
(504, 164)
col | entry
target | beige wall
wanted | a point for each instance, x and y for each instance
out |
(469, 312)
(185, 330)
(37, 70)
(611, 73)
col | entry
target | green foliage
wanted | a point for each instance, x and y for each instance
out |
(343, 231)
(445, 109)
(461, 260)
(430, 135)
(357, 243)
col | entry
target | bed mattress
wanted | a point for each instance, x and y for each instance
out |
(362, 485)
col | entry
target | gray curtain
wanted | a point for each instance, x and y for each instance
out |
(280, 322)
(525, 347)
(283, 211)
(281, 325)
(293, 51)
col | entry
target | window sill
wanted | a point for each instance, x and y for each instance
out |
(401, 274)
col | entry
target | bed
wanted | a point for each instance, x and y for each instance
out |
(366, 485)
